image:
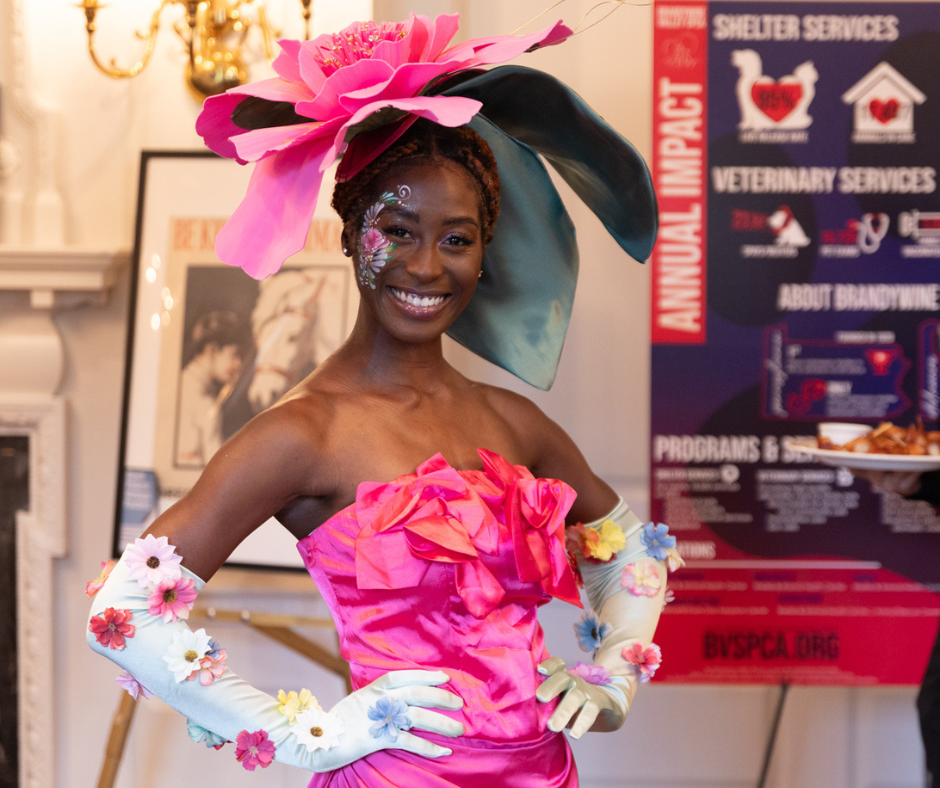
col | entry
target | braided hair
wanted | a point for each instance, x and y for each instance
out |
(425, 141)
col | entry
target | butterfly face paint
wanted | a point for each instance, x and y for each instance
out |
(374, 246)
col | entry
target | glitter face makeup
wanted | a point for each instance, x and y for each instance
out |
(374, 246)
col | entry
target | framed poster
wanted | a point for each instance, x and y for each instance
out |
(796, 280)
(208, 346)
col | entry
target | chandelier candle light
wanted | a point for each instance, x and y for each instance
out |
(213, 32)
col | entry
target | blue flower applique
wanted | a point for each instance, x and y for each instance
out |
(590, 632)
(391, 717)
(214, 649)
(197, 733)
(656, 538)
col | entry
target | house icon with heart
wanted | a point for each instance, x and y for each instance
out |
(883, 106)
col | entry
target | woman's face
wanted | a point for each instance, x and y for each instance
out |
(418, 249)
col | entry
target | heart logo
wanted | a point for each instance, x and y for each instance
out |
(884, 111)
(776, 100)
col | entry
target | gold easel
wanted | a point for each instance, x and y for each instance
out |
(275, 626)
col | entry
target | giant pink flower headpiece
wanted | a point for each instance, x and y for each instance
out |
(368, 76)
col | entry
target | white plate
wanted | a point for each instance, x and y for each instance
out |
(866, 462)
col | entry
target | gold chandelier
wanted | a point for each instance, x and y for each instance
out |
(212, 30)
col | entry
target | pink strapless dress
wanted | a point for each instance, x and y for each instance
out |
(444, 570)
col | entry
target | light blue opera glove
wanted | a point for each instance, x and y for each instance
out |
(229, 705)
(625, 621)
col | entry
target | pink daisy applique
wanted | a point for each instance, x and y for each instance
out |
(111, 627)
(172, 598)
(641, 579)
(254, 749)
(151, 560)
(92, 587)
(645, 661)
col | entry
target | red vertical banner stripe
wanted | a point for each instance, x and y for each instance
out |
(680, 74)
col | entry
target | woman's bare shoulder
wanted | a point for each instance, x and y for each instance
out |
(553, 453)
(527, 422)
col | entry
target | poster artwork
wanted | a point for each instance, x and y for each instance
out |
(237, 345)
(796, 280)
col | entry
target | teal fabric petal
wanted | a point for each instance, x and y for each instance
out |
(604, 170)
(519, 314)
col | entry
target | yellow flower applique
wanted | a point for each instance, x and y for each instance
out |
(602, 543)
(293, 704)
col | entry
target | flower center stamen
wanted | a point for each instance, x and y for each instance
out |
(169, 596)
(190, 656)
(153, 562)
(316, 730)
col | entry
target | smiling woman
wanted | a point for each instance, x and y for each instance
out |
(430, 509)
(415, 221)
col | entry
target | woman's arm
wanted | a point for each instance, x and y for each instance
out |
(276, 458)
(137, 617)
(619, 586)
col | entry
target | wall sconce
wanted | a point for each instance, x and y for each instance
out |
(212, 30)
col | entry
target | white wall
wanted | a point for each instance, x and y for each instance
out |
(677, 736)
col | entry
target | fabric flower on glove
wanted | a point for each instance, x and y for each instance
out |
(391, 717)
(111, 627)
(210, 668)
(655, 537)
(370, 77)
(674, 561)
(254, 749)
(318, 730)
(645, 661)
(92, 587)
(292, 703)
(173, 598)
(590, 632)
(592, 674)
(151, 560)
(185, 654)
(133, 686)
(197, 734)
(598, 544)
(641, 579)
(669, 596)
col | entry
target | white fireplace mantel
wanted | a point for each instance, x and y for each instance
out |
(60, 277)
(35, 283)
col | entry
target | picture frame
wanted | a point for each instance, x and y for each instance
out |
(209, 347)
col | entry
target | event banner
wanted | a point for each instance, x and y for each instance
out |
(796, 280)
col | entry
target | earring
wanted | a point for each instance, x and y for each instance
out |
(479, 275)
(346, 251)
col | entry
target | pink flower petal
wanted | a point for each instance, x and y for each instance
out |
(275, 89)
(327, 105)
(444, 29)
(445, 110)
(215, 126)
(402, 50)
(273, 220)
(286, 65)
(258, 144)
(407, 81)
(499, 49)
